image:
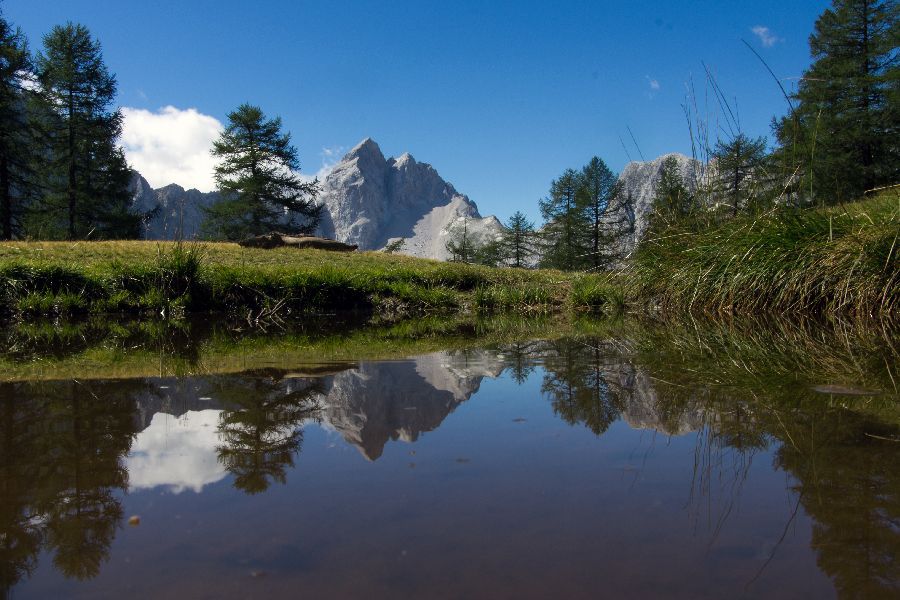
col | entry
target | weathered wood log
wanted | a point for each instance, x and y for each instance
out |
(276, 240)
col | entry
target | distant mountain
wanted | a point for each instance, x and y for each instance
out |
(371, 200)
(639, 181)
(174, 212)
(367, 200)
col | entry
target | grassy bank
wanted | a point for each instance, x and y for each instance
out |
(841, 262)
(137, 277)
(97, 348)
(838, 261)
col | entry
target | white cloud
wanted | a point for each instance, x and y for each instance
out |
(171, 145)
(330, 156)
(766, 36)
(653, 85)
(177, 454)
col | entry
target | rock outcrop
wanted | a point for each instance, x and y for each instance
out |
(274, 239)
(639, 180)
(370, 200)
(173, 212)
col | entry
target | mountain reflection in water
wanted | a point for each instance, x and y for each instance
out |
(76, 454)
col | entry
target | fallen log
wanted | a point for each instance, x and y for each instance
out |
(276, 240)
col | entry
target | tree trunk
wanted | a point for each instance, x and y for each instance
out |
(866, 149)
(71, 186)
(737, 186)
(5, 200)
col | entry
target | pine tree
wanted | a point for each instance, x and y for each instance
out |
(672, 201)
(737, 162)
(517, 242)
(597, 195)
(16, 139)
(460, 243)
(489, 252)
(85, 175)
(564, 224)
(843, 131)
(257, 179)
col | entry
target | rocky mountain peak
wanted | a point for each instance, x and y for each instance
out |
(172, 212)
(370, 201)
(405, 160)
(366, 153)
(639, 180)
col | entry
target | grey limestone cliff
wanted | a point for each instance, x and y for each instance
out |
(172, 212)
(639, 181)
(371, 200)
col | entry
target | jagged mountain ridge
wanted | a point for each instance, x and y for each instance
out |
(371, 200)
(367, 200)
(172, 212)
(639, 180)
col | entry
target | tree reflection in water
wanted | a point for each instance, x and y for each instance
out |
(62, 448)
(260, 427)
(745, 392)
(576, 378)
(20, 530)
(847, 470)
(62, 443)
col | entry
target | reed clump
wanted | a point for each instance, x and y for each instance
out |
(837, 261)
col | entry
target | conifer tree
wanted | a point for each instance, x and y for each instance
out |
(737, 162)
(843, 131)
(258, 181)
(517, 242)
(460, 243)
(489, 252)
(85, 176)
(564, 224)
(16, 139)
(597, 195)
(672, 201)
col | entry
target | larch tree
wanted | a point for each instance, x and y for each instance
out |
(16, 135)
(672, 200)
(597, 195)
(563, 224)
(517, 241)
(842, 134)
(738, 161)
(461, 245)
(257, 177)
(85, 175)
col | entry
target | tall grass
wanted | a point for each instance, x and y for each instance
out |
(839, 261)
(175, 279)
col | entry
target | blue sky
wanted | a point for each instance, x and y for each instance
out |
(499, 96)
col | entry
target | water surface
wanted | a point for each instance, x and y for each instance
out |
(694, 464)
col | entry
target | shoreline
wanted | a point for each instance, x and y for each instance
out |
(840, 262)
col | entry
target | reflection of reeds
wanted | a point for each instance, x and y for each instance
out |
(716, 483)
(759, 356)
